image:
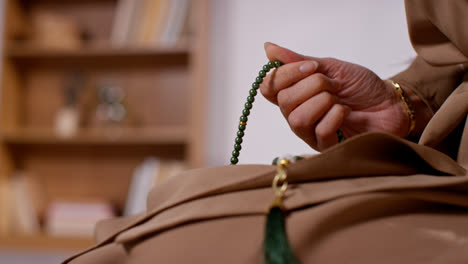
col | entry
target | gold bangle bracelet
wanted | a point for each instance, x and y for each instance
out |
(409, 108)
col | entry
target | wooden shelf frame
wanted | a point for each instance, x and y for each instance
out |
(65, 2)
(93, 53)
(99, 57)
(110, 136)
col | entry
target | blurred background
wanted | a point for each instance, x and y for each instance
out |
(102, 99)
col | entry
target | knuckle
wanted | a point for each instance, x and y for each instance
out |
(266, 89)
(284, 100)
(297, 122)
(321, 81)
(328, 98)
(322, 132)
(340, 110)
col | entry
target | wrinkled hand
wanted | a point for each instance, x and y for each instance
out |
(318, 96)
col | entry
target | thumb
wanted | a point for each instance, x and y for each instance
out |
(275, 52)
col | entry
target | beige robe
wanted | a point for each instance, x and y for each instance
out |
(373, 199)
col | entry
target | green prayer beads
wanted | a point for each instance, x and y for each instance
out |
(340, 135)
(247, 106)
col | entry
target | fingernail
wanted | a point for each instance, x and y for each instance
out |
(308, 66)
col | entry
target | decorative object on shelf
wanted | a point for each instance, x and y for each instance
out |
(75, 219)
(111, 108)
(68, 118)
(54, 31)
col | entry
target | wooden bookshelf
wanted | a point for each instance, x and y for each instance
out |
(165, 98)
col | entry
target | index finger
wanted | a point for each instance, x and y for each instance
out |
(285, 76)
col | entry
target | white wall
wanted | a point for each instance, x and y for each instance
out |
(368, 32)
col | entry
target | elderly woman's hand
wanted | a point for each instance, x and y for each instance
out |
(318, 96)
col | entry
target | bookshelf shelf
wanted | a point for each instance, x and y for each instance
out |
(73, 60)
(25, 2)
(101, 55)
(124, 136)
(44, 242)
(96, 53)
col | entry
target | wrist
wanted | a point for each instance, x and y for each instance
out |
(418, 113)
(423, 113)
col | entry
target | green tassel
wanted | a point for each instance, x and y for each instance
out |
(277, 248)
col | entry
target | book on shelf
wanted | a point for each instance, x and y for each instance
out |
(152, 21)
(134, 23)
(75, 219)
(26, 202)
(4, 206)
(122, 21)
(149, 173)
(140, 186)
(149, 23)
(167, 170)
(177, 19)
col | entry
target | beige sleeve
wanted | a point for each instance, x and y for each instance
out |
(438, 33)
(433, 84)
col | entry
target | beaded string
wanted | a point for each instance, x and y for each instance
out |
(248, 106)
